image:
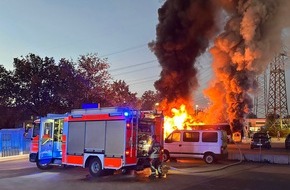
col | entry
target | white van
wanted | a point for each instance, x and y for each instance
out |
(210, 145)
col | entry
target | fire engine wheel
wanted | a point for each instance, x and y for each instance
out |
(43, 166)
(95, 167)
(166, 156)
(209, 158)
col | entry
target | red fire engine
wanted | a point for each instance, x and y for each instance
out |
(101, 139)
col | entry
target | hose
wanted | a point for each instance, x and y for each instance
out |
(212, 170)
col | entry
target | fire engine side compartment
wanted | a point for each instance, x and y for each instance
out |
(75, 142)
(115, 138)
(94, 138)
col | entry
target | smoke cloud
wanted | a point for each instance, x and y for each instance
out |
(183, 34)
(242, 51)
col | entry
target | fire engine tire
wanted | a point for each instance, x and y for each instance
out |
(166, 156)
(209, 158)
(95, 167)
(43, 166)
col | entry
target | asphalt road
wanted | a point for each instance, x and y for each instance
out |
(183, 174)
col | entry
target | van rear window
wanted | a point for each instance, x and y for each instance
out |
(209, 137)
(191, 137)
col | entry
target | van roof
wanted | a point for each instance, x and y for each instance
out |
(199, 130)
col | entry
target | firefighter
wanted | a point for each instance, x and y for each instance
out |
(155, 158)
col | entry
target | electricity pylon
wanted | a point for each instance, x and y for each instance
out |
(277, 99)
(260, 98)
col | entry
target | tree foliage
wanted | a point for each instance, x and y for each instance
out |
(94, 78)
(38, 86)
(120, 95)
(149, 100)
(6, 87)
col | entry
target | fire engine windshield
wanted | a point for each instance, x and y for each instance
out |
(145, 127)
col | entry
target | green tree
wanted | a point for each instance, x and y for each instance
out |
(6, 87)
(69, 86)
(94, 78)
(120, 95)
(9, 114)
(149, 100)
(36, 80)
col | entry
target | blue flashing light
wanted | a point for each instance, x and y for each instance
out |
(126, 114)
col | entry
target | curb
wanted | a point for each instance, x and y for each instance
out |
(269, 158)
(16, 157)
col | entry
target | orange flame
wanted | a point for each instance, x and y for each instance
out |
(180, 117)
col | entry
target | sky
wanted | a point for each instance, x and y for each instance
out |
(119, 30)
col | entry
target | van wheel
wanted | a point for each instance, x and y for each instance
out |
(166, 156)
(209, 158)
(95, 167)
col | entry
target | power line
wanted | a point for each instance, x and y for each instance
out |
(124, 50)
(143, 79)
(141, 82)
(130, 66)
(136, 70)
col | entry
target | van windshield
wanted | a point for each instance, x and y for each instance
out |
(173, 137)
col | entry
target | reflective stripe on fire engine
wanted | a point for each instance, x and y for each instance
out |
(114, 163)
(75, 160)
(95, 117)
(63, 148)
(34, 147)
(34, 144)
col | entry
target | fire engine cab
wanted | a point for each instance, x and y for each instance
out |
(150, 123)
(46, 142)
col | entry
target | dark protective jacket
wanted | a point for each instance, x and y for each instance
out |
(155, 150)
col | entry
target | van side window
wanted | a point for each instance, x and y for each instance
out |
(209, 137)
(191, 136)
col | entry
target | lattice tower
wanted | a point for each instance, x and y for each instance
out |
(260, 98)
(277, 99)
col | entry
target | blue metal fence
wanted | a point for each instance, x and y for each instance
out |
(13, 142)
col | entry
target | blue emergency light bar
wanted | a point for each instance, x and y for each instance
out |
(90, 106)
(126, 114)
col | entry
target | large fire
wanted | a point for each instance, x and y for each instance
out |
(180, 119)
(242, 37)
